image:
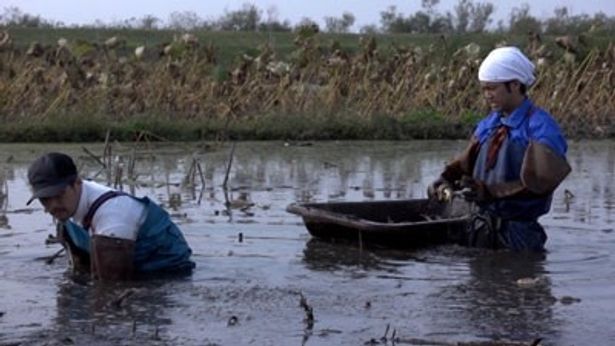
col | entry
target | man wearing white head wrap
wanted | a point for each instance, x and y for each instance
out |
(516, 158)
(507, 64)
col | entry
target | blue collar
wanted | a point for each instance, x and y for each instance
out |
(516, 118)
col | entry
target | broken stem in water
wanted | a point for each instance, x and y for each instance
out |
(228, 167)
(92, 155)
(54, 256)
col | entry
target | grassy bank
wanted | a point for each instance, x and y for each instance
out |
(74, 128)
(281, 85)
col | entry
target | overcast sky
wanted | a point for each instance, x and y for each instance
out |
(365, 11)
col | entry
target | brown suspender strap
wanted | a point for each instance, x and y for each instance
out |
(87, 220)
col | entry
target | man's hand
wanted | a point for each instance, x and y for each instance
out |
(440, 190)
(78, 259)
(474, 190)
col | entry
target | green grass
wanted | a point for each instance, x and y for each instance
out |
(230, 45)
(73, 128)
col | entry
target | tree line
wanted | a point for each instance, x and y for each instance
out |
(467, 16)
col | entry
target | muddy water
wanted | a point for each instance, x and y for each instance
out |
(248, 292)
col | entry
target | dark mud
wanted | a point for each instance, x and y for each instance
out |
(255, 262)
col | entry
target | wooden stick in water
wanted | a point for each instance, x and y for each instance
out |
(198, 166)
(54, 256)
(92, 155)
(228, 166)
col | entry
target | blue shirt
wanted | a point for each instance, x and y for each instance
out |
(525, 124)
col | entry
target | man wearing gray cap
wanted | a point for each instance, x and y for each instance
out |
(111, 234)
(516, 158)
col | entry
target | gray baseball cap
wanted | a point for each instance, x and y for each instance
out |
(50, 174)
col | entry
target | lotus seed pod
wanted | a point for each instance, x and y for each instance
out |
(569, 57)
(112, 42)
(5, 39)
(139, 52)
(472, 50)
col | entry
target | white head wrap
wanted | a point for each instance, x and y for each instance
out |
(505, 64)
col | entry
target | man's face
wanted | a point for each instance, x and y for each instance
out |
(498, 96)
(64, 205)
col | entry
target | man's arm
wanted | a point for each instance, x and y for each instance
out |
(115, 226)
(544, 164)
(541, 173)
(463, 164)
(112, 258)
(543, 169)
(460, 166)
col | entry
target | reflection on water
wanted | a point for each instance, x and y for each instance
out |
(254, 259)
(512, 291)
(4, 196)
(320, 255)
